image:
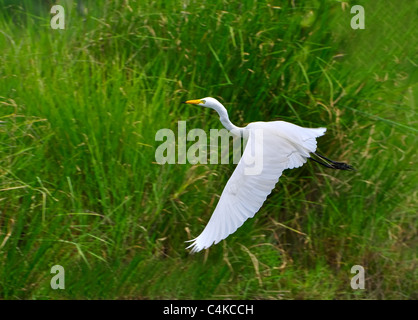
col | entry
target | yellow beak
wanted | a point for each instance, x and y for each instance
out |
(198, 101)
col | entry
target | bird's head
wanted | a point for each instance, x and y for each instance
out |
(207, 102)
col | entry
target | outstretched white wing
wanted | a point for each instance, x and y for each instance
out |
(271, 148)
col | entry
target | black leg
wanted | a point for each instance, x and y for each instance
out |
(321, 163)
(332, 164)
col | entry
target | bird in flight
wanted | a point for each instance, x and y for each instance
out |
(271, 148)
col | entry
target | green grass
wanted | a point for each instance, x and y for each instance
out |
(79, 185)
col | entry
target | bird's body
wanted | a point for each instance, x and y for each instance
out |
(272, 147)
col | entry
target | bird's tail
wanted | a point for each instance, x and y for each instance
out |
(331, 164)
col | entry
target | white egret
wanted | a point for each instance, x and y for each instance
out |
(284, 146)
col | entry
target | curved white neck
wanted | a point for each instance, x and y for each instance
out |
(223, 116)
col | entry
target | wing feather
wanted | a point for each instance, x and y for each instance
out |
(285, 145)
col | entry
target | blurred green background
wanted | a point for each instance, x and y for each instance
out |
(79, 185)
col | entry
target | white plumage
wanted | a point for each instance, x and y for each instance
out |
(284, 146)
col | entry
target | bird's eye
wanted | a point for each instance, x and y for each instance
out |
(203, 101)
